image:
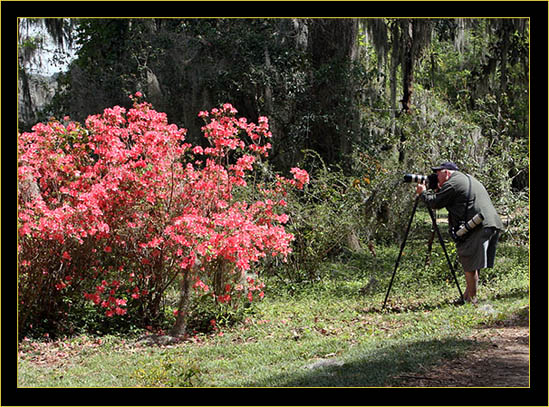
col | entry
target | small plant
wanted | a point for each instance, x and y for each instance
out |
(167, 371)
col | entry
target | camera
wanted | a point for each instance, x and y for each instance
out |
(430, 181)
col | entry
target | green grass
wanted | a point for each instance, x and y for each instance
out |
(296, 325)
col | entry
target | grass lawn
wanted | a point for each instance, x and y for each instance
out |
(330, 333)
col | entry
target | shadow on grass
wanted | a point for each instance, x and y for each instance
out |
(372, 367)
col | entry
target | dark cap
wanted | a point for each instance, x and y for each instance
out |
(446, 166)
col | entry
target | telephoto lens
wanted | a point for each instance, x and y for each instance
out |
(470, 225)
(430, 181)
(420, 179)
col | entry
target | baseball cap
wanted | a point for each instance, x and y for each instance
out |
(447, 165)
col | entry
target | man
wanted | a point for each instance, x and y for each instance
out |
(464, 197)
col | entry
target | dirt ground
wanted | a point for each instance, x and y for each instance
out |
(501, 359)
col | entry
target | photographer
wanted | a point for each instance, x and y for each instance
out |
(464, 197)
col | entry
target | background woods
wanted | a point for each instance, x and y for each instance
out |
(319, 80)
(354, 102)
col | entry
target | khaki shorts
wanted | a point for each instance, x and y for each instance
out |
(479, 250)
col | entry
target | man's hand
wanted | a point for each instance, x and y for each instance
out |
(420, 188)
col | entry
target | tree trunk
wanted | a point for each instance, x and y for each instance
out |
(220, 276)
(407, 67)
(180, 326)
(332, 48)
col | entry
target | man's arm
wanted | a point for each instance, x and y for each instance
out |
(437, 200)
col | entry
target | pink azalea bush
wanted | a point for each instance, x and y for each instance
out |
(119, 209)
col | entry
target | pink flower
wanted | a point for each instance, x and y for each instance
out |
(301, 176)
(120, 301)
(120, 311)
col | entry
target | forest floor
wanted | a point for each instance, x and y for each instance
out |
(501, 359)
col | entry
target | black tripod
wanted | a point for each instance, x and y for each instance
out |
(440, 239)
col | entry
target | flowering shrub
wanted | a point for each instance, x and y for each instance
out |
(118, 209)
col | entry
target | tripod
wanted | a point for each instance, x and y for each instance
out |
(440, 239)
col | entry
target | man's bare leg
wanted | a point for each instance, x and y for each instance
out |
(471, 280)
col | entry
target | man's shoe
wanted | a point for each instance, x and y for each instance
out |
(473, 301)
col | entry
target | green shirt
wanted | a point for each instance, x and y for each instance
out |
(453, 195)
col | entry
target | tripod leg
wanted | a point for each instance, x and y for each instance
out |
(401, 250)
(441, 240)
(430, 248)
